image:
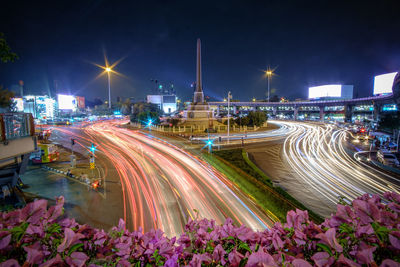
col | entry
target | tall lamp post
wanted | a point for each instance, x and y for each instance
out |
(108, 70)
(229, 97)
(269, 74)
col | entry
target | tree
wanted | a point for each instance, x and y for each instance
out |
(145, 110)
(257, 118)
(274, 98)
(5, 56)
(254, 118)
(5, 51)
(242, 121)
(173, 121)
(126, 107)
(146, 116)
(6, 97)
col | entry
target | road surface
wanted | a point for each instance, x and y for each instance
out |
(162, 186)
(321, 157)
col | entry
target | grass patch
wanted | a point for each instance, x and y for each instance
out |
(236, 165)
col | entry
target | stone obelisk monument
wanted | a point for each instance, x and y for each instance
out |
(198, 113)
(198, 94)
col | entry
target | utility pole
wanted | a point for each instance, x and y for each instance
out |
(109, 90)
(73, 158)
(229, 97)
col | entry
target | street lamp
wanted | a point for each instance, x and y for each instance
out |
(229, 98)
(108, 70)
(269, 74)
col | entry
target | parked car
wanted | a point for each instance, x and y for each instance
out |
(387, 158)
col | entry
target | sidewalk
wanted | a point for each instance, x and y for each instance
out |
(81, 172)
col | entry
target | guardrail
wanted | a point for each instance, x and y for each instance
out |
(16, 125)
(309, 103)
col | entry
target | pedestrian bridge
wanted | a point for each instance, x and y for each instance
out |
(17, 137)
(346, 106)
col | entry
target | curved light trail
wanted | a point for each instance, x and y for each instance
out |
(319, 156)
(163, 186)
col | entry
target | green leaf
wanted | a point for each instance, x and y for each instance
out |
(345, 228)
(245, 247)
(381, 232)
(243, 262)
(74, 248)
(325, 248)
(19, 231)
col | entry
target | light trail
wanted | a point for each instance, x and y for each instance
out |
(318, 155)
(163, 185)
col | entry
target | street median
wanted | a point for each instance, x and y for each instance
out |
(237, 167)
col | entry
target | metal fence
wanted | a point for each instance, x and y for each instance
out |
(16, 125)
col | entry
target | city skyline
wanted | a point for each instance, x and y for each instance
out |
(161, 47)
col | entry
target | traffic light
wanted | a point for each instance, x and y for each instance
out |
(92, 148)
(72, 141)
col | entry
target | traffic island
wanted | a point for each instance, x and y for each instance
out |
(82, 170)
(252, 181)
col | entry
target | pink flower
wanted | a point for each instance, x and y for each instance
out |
(394, 238)
(301, 263)
(77, 259)
(234, 258)
(35, 229)
(172, 262)
(365, 256)
(52, 262)
(5, 239)
(329, 238)
(55, 211)
(367, 230)
(198, 259)
(10, 263)
(34, 211)
(345, 261)
(218, 254)
(34, 254)
(70, 239)
(389, 263)
(260, 258)
(323, 259)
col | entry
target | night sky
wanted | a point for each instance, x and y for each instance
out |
(309, 43)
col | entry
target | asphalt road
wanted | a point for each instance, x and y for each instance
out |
(315, 163)
(154, 184)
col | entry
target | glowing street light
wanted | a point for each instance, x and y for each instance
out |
(229, 98)
(92, 148)
(108, 70)
(209, 143)
(149, 123)
(269, 72)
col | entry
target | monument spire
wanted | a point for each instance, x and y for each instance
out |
(198, 94)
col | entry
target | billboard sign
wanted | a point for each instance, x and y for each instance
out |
(19, 104)
(80, 100)
(66, 102)
(330, 90)
(383, 83)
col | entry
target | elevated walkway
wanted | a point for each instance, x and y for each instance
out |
(17, 142)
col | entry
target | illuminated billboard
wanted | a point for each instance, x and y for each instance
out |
(80, 101)
(66, 102)
(383, 83)
(19, 104)
(331, 91)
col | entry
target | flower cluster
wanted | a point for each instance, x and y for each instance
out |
(366, 233)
